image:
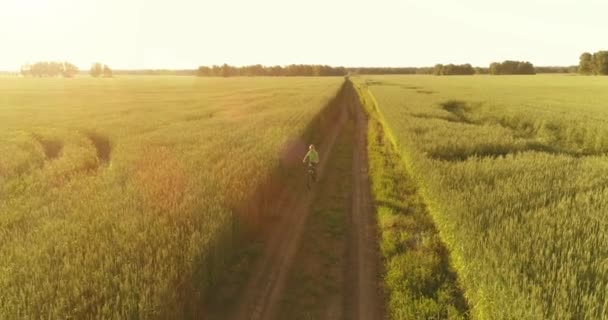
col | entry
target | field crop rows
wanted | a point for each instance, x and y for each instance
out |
(515, 173)
(117, 196)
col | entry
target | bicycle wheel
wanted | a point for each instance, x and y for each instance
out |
(310, 180)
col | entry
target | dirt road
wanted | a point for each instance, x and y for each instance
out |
(362, 295)
(263, 292)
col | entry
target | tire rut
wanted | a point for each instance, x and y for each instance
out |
(364, 295)
(264, 290)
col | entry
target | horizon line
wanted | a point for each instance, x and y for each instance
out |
(284, 65)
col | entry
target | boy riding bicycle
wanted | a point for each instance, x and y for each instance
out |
(312, 156)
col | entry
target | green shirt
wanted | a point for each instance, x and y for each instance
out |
(312, 156)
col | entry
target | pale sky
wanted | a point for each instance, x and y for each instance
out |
(188, 33)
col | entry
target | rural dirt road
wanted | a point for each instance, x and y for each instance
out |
(264, 291)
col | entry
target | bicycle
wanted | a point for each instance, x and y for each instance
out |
(312, 174)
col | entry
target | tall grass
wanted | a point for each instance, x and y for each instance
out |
(516, 177)
(418, 278)
(118, 196)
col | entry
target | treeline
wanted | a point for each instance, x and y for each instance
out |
(49, 69)
(293, 70)
(555, 69)
(305, 70)
(512, 67)
(497, 68)
(453, 69)
(596, 63)
(506, 67)
(390, 70)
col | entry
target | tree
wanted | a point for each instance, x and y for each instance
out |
(480, 70)
(107, 72)
(600, 63)
(438, 69)
(524, 68)
(96, 70)
(556, 69)
(204, 71)
(596, 63)
(495, 68)
(512, 67)
(69, 70)
(585, 65)
(49, 69)
(276, 71)
(452, 69)
(225, 70)
(317, 70)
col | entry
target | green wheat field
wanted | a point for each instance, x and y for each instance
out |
(514, 170)
(118, 196)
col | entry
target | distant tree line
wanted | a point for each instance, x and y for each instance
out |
(49, 69)
(321, 70)
(556, 69)
(512, 67)
(466, 69)
(226, 70)
(453, 69)
(596, 63)
(388, 70)
(482, 70)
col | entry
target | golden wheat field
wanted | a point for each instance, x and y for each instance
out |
(123, 197)
(514, 171)
(117, 196)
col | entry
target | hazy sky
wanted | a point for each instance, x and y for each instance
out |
(189, 33)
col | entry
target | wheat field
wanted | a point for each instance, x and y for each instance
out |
(118, 196)
(514, 170)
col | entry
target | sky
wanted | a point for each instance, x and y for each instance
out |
(184, 34)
